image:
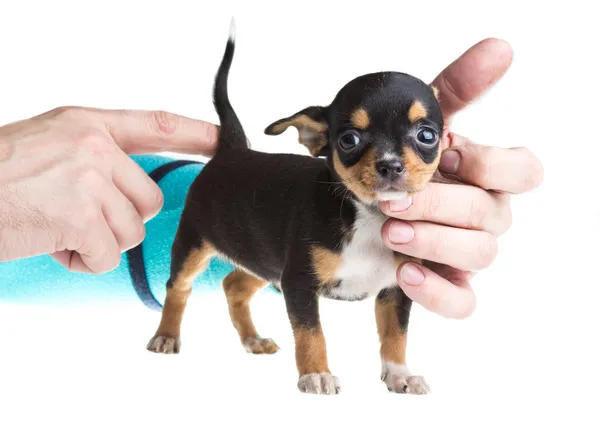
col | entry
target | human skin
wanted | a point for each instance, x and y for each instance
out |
(69, 189)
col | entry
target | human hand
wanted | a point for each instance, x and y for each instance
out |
(455, 225)
(68, 187)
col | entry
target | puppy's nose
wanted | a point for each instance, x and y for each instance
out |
(389, 170)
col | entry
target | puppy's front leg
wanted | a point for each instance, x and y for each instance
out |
(311, 352)
(392, 311)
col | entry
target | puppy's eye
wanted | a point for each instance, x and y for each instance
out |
(427, 136)
(349, 140)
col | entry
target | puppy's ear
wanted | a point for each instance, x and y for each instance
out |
(312, 128)
(436, 92)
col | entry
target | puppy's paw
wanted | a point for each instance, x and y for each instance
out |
(398, 379)
(322, 384)
(417, 385)
(257, 345)
(164, 345)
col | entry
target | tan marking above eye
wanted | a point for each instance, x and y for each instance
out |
(360, 118)
(417, 111)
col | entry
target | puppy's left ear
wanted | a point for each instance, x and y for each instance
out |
(436, 92)
(312, 128)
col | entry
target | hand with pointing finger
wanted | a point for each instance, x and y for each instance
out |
(455, 225)
(68, 187)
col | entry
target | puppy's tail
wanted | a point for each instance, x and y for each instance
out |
(232, 134)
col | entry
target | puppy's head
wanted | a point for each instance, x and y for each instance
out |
(381, 134)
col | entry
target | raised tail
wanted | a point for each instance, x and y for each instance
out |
(232, 134)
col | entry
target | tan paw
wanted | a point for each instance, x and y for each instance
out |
(164, 345)
(322, 384)
(398, 379)
(257, 345)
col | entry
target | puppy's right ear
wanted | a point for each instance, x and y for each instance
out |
(312, 128)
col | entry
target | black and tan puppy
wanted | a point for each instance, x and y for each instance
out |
(310, 226)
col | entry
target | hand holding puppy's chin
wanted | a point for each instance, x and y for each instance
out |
(467, 212)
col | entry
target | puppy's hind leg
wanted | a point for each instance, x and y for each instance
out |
(240, 287)
(186, 263)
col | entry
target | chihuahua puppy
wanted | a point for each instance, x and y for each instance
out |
(311, 226)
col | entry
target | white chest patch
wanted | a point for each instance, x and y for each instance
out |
(368, 266)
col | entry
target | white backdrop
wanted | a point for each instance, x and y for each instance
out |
(525, 365)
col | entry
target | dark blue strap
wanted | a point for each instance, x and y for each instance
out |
(135, 256)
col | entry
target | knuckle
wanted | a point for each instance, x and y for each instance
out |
(487, 251)
(438, 245)
(477, 214)
(432, 203)
(95, 142)
(69, 112)
(482, 167)
(89, 177)
(87, 217)
(162, 123)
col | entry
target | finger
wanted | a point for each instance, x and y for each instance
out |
(461, 206)
(123, 219)
(466, 250)
(434, 293)
(63, 257)
(143, 193)
(138, 132)
(99, 252)
(469, 76)
(453, 275)
(513, 170)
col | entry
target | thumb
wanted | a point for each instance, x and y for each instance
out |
(137, 131)
(472, 74)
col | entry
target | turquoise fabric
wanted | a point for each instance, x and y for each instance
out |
(41, 281)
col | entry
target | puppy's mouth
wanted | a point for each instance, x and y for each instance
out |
(391, 190)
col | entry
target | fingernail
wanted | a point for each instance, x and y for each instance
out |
(450, 161)
(412, 275)
(401, 232)
(401, 204)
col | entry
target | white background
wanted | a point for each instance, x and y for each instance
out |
(524, 366)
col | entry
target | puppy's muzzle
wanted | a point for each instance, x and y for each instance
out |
(389, 171)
